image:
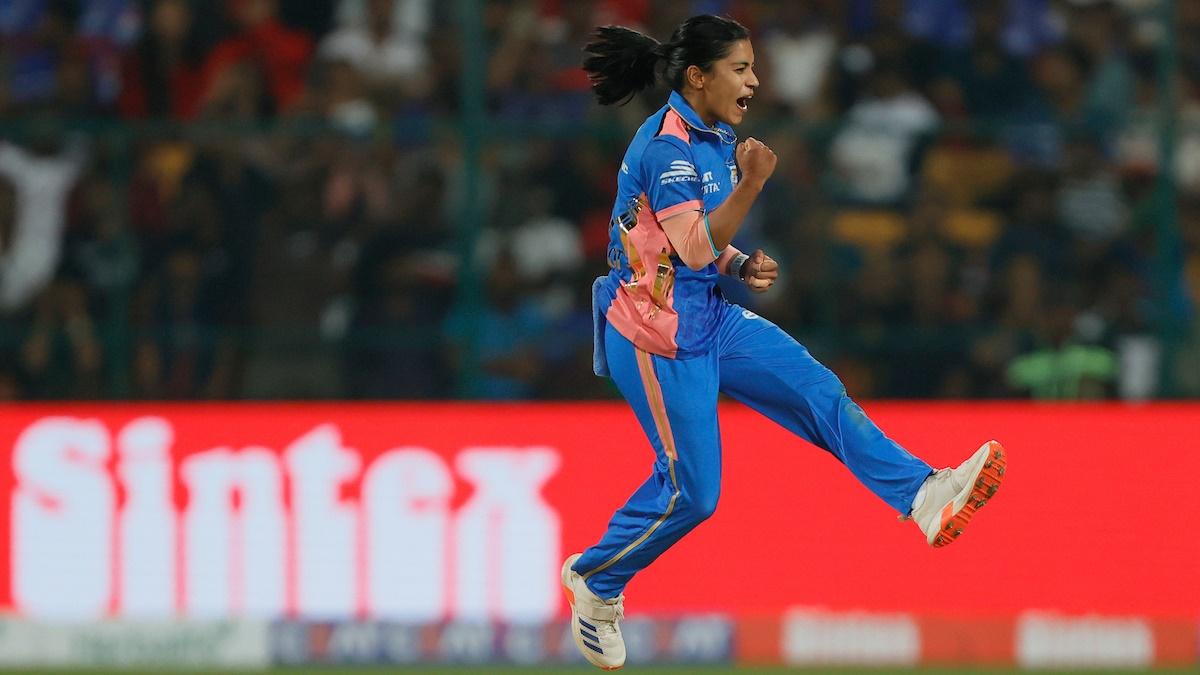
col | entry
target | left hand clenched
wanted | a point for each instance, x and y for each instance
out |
(761, 271)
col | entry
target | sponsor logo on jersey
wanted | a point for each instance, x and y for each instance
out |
(680, 172)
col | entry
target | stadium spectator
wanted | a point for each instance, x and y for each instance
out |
(874, 154)
(344, 101)
(534, 73)
(42, 178)
(385, 41)
(798, 46)
(32, 37)
(1101, 36)
(993, 80)
(162, 75)
(100, 251)
(262, 43)
(1057, 109)
(1060, 366)
(301, 253)
(545, 247)
(184, 347)
(506, 335)
(61, 354)
(1090, 202)
(393, 349)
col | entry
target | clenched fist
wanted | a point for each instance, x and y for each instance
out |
(756, 160)
(760, 271)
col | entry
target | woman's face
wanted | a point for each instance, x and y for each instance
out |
(724, 91)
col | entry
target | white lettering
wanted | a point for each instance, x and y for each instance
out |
(62, 519)
(234, 557)
(815, 636)
(1046, 640)
(324, 524)
(406, 502)
(147, 520)
(263, 530)
(226, 543)
(508, 537)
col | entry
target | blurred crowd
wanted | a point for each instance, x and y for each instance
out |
(271, 198)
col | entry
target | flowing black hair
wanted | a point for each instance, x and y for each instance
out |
(621, 62)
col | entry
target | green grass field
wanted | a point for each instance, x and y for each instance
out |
(629, 670)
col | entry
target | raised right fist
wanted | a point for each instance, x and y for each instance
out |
(756, 160)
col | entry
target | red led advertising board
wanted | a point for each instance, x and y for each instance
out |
(455, 511)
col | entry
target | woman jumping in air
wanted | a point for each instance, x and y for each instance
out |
(672, 343)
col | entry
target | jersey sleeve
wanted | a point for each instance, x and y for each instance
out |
(677, 201)
(672, 180)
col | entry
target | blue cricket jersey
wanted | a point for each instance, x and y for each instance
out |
(675, 164)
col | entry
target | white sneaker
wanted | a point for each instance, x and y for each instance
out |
(594, 622)
(953, 495)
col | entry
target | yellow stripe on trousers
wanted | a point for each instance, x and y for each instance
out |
(658, 410)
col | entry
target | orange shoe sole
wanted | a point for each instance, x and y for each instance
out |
(986, 485)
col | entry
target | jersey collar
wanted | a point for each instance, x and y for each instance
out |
(684, 109)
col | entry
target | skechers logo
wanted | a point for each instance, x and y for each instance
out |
(680, 172)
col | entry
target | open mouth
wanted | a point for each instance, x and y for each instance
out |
(743, 103)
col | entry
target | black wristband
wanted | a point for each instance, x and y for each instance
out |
(737, 266)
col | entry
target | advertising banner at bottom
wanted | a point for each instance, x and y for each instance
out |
(123, 644)
(692, 640)
(809, 637)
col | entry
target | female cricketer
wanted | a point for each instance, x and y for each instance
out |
(671, 341)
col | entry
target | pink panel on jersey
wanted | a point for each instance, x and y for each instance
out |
(643, 310)
(673, 125)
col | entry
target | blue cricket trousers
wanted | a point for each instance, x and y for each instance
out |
(675, 400)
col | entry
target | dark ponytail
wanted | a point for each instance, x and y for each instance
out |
(621, 62)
